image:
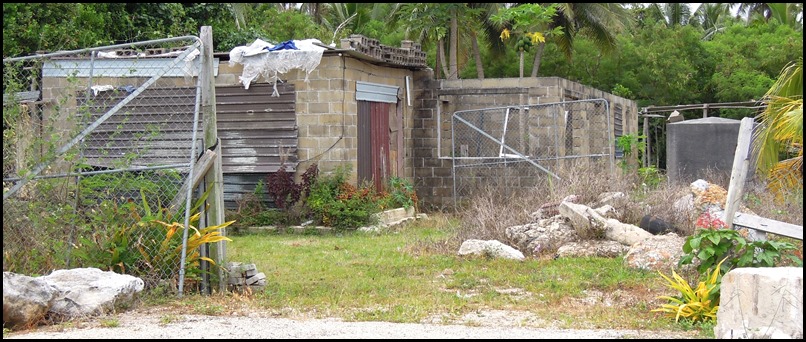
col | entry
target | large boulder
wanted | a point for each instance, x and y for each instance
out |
(545, 236)
(26, 300)
(761, 303)
(90, 291)
(656, 253)
(590, 224)
(592, 248)
(491, 248)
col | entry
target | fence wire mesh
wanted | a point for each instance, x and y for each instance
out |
(518, 146)
(96, 146)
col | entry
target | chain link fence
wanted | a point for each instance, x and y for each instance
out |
(516, 147)
(97, 144)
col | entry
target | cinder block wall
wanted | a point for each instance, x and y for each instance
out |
(327, 109)
(439, 99)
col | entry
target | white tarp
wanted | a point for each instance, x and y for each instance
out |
(258, 60)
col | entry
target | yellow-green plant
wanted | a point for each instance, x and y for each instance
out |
(151, 248)
(170, 249)
(697, 304)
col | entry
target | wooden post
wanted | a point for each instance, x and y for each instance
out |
(705, 111)
(646, 155)
(214, 178)
(741, 161)
(199, 170)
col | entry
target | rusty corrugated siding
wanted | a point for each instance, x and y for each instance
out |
(373, 143)
(256, 129)
(380, 143)
(153, 129)
(364, 172)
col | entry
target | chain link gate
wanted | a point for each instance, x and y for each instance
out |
(97, 144)
(516, 146)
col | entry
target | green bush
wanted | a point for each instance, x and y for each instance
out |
(400, 194)
(709, 246)
(334, 202)
(328, 200)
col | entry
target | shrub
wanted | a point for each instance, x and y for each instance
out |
(707, 246)
(400, 194)
(628, 144)
(282, 188)
(285, 191)
(151, 247)
(336, 203)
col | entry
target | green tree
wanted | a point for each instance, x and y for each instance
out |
(426, 23)
(529, 24)
(747, 59)
(32, 27)
(599, 21)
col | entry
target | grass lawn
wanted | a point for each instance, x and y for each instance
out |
(399, 276)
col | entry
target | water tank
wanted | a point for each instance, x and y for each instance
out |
(699, 147)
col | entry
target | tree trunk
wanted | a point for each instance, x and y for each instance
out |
(477, 53)
(454, 73)
(538, 58)
(521, 64)
(441, 58)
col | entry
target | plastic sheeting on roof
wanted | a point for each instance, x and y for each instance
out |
(263, 58)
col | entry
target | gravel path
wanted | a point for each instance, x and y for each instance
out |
(139, 325)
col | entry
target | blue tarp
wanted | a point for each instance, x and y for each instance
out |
(287, 45)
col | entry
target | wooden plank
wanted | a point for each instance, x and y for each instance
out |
(741, 161)
(199, 170)
(768, 225)
(215, 213)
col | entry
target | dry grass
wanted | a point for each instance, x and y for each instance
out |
(490, 209)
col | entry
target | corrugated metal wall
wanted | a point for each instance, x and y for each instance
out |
(153, 129)
(258, 132)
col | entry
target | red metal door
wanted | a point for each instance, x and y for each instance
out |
(373, 143)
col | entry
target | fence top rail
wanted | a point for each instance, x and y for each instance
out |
(102, 48)
(529, 106)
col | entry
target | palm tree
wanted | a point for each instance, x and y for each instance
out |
(426, 22)
(453, 67)
(485, 29)
(464, 24)
(674, 14)
(314, 9)
(600, 21)
(781, 130)
(712, 17)
(757, 10)
(789, 14)
(238, 11)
